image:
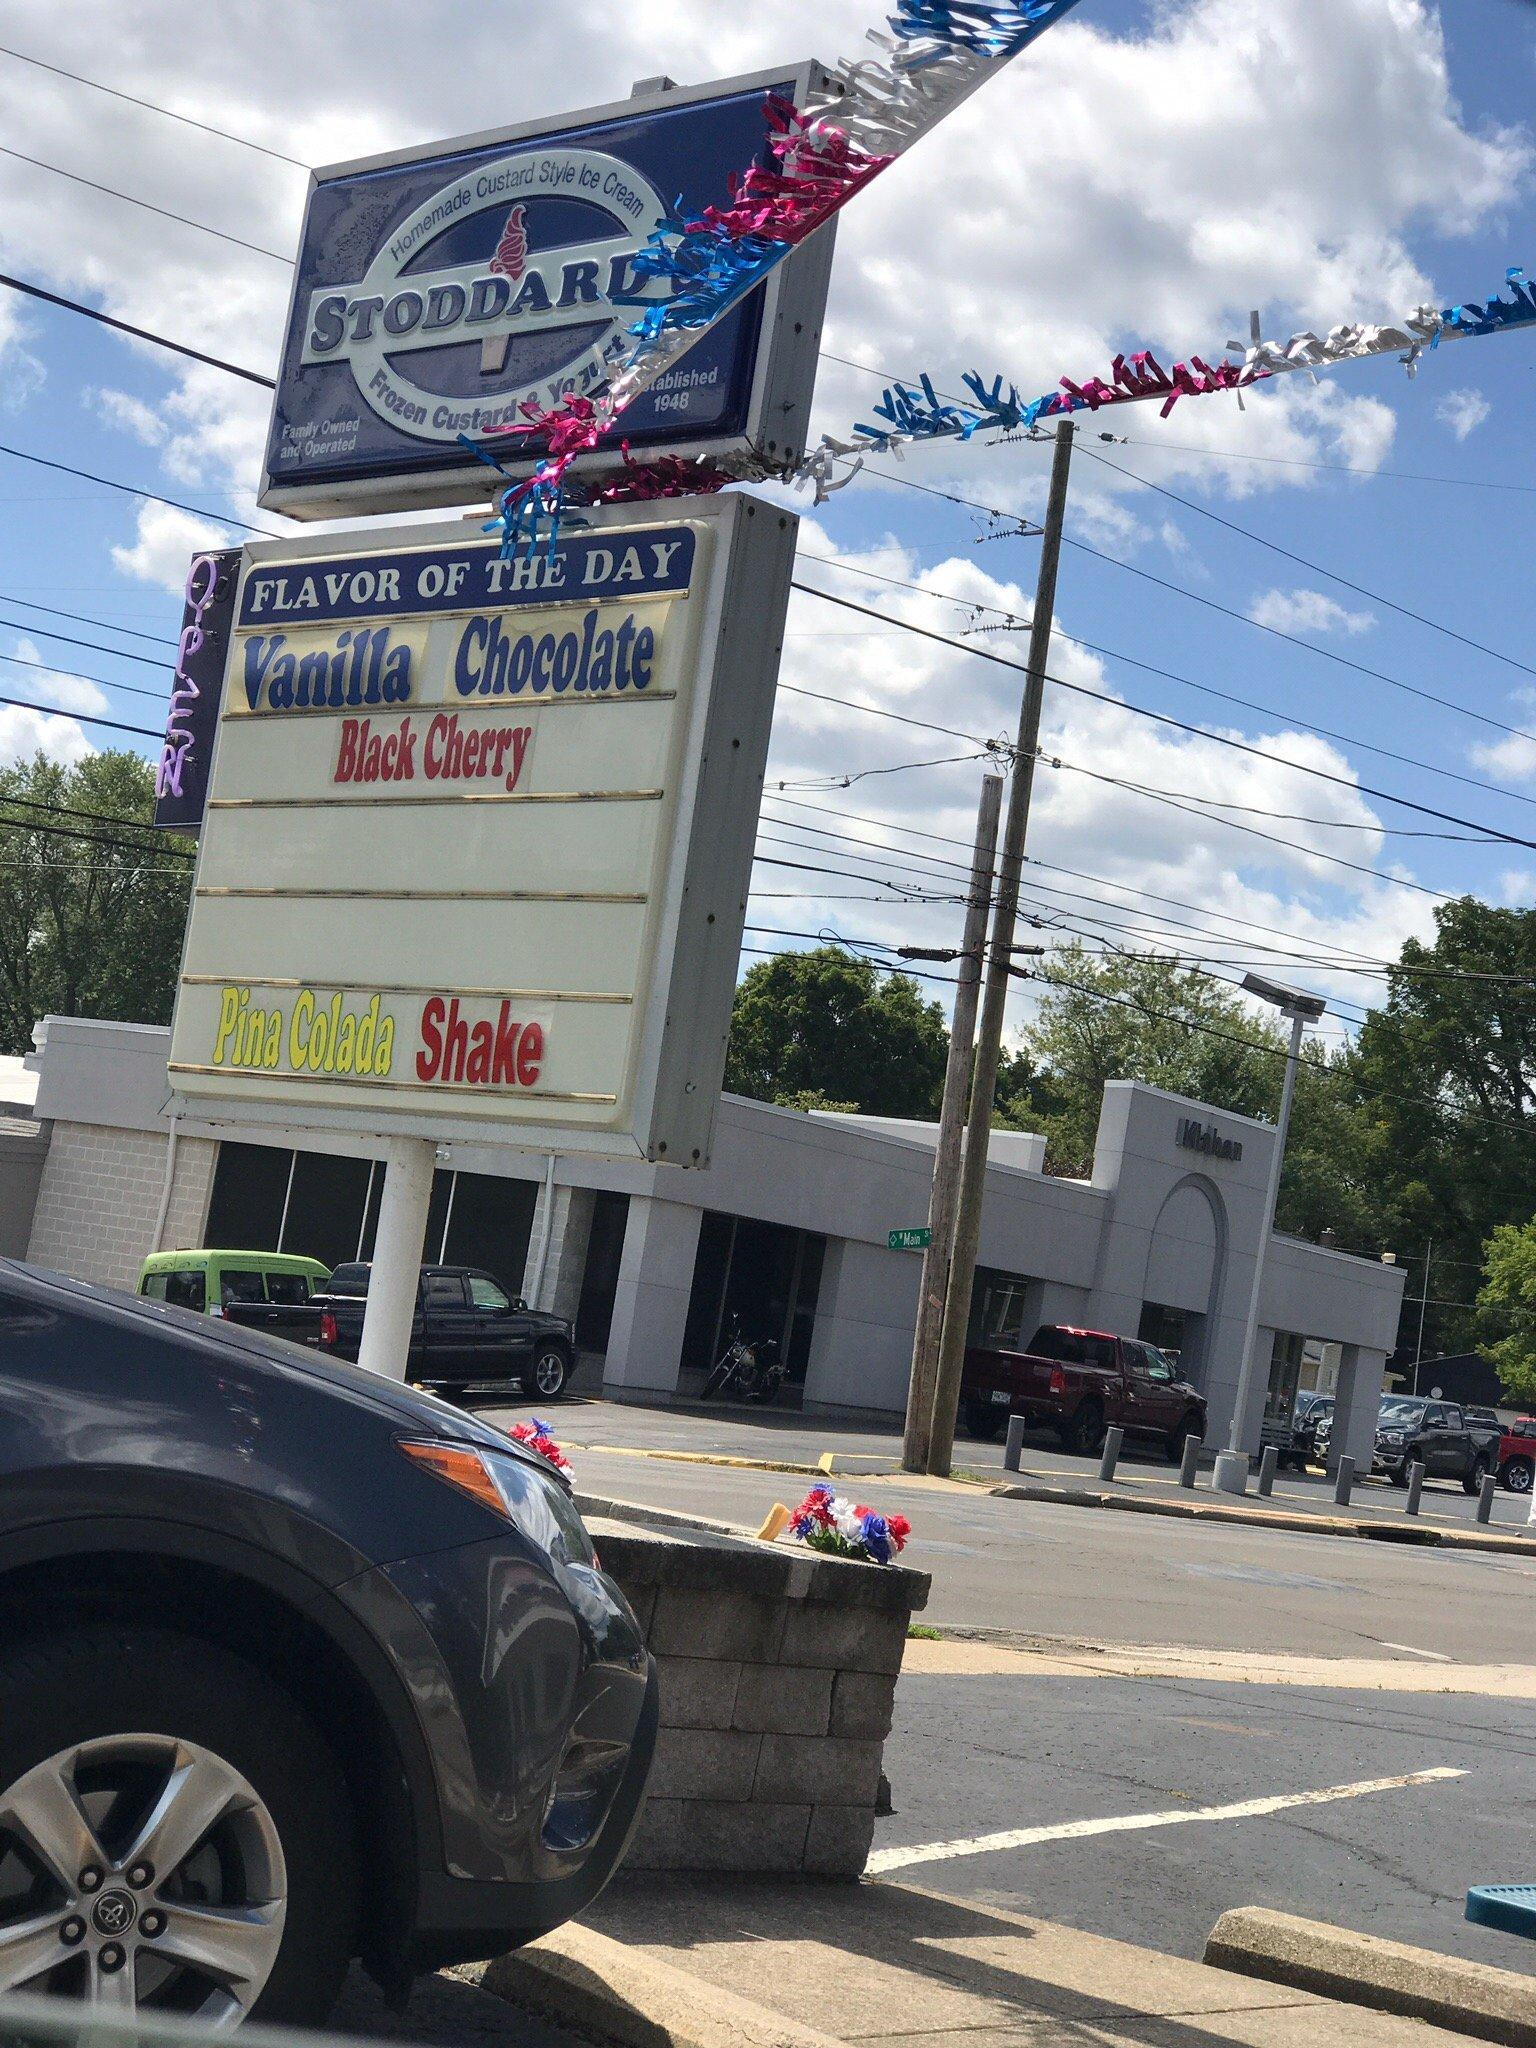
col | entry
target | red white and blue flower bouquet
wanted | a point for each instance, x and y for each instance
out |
(536, 1436)
(827, 1522)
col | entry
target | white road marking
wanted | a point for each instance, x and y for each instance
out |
(1410, 1650)
(1134, 1823)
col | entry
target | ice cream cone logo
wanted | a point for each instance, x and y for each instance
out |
(511, 257)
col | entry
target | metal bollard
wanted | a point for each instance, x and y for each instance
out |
(1268, 1465)
(1189, 1464)
(1114, 1437)
(1415, 1488)
(1344, 1483)
(1014, 1452)
(1485, 1495)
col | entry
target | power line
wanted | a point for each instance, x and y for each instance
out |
(130, 689)
(1180, 725)
(180, 348)
(1315, 568)
(52, 810)
(143, 732)
(82, 619)
(110, 483)
(69, 640)
(1013, 623)
(152, 107)
(128, 199)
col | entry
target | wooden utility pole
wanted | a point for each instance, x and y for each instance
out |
(973, 1172)
(946, 1158)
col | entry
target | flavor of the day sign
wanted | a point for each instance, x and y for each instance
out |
(440, 291)
(479, 831)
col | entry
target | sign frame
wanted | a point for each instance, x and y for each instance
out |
(684, 1001)
(794, 301)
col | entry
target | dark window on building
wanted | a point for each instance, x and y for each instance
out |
(325, 1208)
(245, 1210)
(600, 1275)
(762, 1279)
(1003, 1311)
(490, 1225)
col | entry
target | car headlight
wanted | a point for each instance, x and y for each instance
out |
(1390, 1436)
(539, 1508)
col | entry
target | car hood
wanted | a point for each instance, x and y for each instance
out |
(415, 1411)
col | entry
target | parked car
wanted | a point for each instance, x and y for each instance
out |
(1311, 1429)
(296, 1664)
(269, 1291)
(1433, 1434)
(468, 1331)
(1517, 1455)
(1077, 1382)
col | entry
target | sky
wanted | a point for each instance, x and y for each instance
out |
(1149, 173)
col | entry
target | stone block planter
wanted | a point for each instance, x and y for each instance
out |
(778, 1672)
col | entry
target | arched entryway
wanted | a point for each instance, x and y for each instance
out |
(1186, 1263)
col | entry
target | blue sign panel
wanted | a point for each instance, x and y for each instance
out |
(644, 562)
(435, 296)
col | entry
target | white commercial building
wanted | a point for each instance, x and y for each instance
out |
(786, 1230)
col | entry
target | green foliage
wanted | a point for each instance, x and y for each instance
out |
(823, 1025)
(1444, 1076)
(88, 928)
(1509, 1293)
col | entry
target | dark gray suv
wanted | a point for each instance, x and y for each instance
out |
(296, 1664)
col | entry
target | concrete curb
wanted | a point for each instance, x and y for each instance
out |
(616, 1994)
(1266, 1518)
(1388, 1976)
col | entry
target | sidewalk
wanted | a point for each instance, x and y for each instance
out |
(766, 1965)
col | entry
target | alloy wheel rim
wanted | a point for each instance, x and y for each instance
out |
(549, 1373)
(140, 1872)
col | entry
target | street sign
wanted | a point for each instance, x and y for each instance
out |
(439, 289)
(910, 1240)
(479, 832)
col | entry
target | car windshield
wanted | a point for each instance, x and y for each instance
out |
(1398, 1413)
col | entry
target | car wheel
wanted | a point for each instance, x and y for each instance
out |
(1083, 1434)
(983, 1421)
(174, 1834)
(1517, 1475)
(1473, 1483)
(551, 1369)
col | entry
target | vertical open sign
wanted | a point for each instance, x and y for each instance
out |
(181, 773)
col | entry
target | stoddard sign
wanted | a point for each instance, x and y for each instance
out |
(438, 292)
(479, 834)
(1204, 1137)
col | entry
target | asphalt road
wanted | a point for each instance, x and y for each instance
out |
(972, 1756)
(1081, 1574)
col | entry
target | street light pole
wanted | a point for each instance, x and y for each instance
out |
(1231, 1475)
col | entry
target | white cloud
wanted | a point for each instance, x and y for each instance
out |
(132, 415)
(1095, 845)
(57, 686)
(1307, 611)
(21, 372)
(1512, 759)
(167, 541)
(1463, 412)
(24, 734)
(1099, 195)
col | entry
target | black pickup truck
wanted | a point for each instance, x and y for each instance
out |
(1436, 1435)
(468, 1332)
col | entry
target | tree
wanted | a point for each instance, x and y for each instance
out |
(1508, 1293)
(825, 1027)
(1444, 1080)
(90, 924)
(1140, 1017)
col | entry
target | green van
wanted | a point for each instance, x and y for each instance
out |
(208, 1281)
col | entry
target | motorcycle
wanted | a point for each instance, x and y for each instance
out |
(752, 1372)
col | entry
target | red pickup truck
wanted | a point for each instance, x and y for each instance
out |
(1077, 1382)
(1517, 1455)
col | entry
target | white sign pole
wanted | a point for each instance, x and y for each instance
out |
(397, 1250)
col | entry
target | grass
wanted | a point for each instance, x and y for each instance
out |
(918, 1632)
